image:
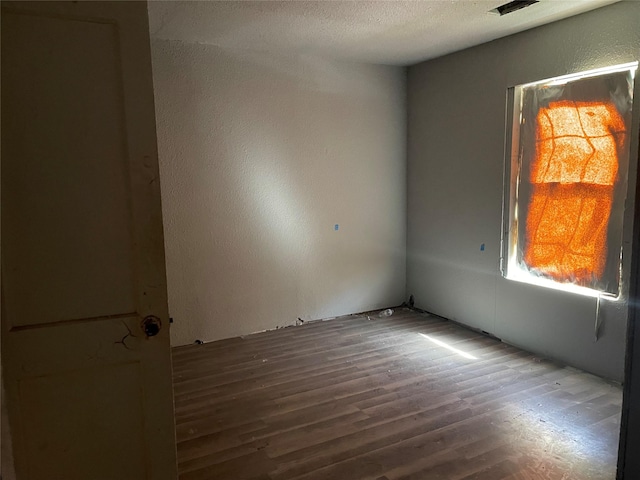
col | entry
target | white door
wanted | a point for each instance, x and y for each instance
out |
(88, 380)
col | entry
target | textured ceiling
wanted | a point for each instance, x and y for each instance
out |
(386, 32)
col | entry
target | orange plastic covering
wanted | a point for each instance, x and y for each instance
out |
(573, 176)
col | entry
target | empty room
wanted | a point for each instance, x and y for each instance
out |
(296, 240)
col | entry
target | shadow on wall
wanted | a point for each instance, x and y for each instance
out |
(260, 157)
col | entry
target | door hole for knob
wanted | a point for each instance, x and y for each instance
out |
(151, 325)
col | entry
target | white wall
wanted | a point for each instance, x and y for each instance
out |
(260, 156)
(456, 125)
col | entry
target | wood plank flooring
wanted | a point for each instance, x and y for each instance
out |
(385, 399)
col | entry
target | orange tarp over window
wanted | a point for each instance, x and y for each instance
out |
(572, 176)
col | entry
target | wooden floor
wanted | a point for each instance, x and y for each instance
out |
(354, 398)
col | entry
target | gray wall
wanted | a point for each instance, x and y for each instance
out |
(260, 156)
(456, 125)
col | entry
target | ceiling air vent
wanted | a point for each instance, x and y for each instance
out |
(512, 6)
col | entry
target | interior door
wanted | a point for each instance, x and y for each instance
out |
(85, 331)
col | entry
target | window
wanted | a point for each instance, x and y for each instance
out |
(567, 180)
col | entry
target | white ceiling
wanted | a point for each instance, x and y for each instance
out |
(386, 32)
